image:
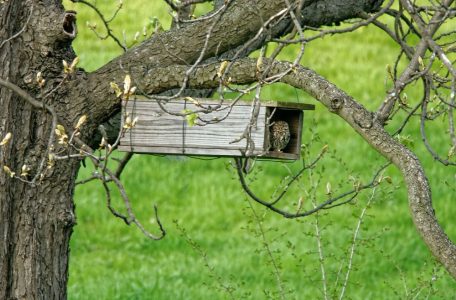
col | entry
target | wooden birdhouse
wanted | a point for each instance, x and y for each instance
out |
(212, 128)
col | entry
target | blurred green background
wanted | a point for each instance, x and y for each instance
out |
(221, 245)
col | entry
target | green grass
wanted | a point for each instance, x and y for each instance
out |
(110, 260)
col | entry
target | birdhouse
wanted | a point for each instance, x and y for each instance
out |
(213, 128)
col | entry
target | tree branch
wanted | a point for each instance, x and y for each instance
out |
(359, 118)
(39, 105)
(183, 45)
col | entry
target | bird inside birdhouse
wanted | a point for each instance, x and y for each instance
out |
(284, 134)
(279, 135)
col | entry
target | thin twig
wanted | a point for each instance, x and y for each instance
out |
(266, 246)
(39, 105)
(20, 31)
(318, 237)
(105, 23)
(353, 245)
(330, 203)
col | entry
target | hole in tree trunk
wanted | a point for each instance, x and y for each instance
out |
(69, 24)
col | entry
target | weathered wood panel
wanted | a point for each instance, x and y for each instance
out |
(157, 130)
(203, 151)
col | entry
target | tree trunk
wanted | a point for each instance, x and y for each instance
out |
(35, 220)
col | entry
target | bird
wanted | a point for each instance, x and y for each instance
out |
(280, 135)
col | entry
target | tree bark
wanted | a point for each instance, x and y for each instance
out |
(35, 221)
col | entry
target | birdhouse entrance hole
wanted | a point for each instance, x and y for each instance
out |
(294, 118)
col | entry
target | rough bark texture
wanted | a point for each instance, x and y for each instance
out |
(35, 221)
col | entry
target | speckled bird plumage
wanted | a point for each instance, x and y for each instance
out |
(280, 135)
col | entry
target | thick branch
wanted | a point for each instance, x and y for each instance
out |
(241, 21)
(419, 193)
(359, 118)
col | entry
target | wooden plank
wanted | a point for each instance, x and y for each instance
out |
(227, 102)
(153, 120)
(204, 152)
(290, 105)
(281, 155)
(185, 151)
(227, 132)
(158, 128)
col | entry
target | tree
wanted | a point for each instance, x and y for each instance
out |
(45, 106)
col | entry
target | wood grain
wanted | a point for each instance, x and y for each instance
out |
(158, 131)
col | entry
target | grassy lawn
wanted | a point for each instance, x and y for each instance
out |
(221, 245)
